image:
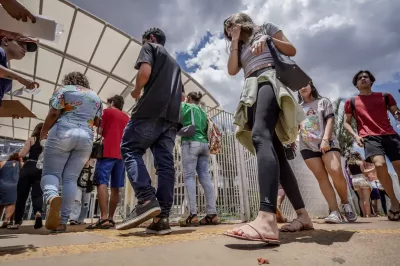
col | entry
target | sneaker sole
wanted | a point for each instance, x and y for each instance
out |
(140, 219)
(351, 220)
(332, 222)
(53, 218)
(162, 232)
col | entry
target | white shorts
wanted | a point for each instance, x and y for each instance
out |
(359, 182)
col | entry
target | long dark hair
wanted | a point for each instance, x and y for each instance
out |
(314, 93)
(36, 131)
(248, 27)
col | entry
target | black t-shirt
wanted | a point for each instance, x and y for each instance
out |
(163, 92)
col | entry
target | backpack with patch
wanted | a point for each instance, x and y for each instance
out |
(214, 137)
(353, 105)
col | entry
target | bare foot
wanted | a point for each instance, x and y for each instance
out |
(265, 223)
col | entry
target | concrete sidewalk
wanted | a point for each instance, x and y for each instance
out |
(373, 241)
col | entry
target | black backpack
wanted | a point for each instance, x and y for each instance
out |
(353, 105)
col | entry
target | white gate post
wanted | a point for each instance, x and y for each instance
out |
(243, 183)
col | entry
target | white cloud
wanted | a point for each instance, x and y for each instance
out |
(334, 39)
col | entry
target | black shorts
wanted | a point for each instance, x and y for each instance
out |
(308, 154)
(388, 145)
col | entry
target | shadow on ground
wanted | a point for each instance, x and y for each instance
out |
(320, 237)
(144, 234)
(42, 231)
(15, 250)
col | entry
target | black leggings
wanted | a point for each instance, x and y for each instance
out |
(273, 166)
(29, 177)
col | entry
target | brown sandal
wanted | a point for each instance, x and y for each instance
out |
(189, 221)
(210, 219)
(292, 228)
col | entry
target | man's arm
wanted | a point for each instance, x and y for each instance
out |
(142, 78)
(144, 64)
(349, 128)
(393, 107)
(9, 74)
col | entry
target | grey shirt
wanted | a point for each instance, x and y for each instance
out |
(312, 129)
(249, 61)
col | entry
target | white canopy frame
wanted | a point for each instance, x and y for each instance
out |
(105, 54)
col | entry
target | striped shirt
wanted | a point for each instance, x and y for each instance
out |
(249, 61)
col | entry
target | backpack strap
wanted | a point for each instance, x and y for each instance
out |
(353, 105)
(386, 97)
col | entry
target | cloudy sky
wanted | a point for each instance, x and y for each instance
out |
(334, 39)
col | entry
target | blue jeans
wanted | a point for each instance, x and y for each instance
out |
(80, 208)
(195, 157)
(68, 148)
(158, 135)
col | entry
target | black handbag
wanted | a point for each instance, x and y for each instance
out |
(188, 131)
(289, 152)
(97, 150)
(287, 71)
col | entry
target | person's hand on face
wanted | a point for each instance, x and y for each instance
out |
(234, 32)
(18, 11)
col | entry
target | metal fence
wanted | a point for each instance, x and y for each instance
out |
(234, 174)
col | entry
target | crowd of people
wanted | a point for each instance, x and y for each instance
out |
(63, 143)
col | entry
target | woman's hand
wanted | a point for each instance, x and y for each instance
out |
(258, 46)
(325, 146)
(235, 35)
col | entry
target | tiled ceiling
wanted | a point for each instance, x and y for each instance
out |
(90, 45)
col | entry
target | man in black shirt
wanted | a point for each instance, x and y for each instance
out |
(154, 123)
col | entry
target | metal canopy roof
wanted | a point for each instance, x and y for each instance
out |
(90, 45)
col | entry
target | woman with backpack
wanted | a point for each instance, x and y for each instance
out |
(195, 157)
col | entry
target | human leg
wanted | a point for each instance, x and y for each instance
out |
(76, 207)
(23, 188)
(263, 122)
(85, 207)
(117, 182)
(139, 135)
(317, 167)
(101, 179)
(190, 153)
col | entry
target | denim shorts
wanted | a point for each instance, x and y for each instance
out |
(109, 167)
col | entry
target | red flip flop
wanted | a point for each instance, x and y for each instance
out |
(262, 239)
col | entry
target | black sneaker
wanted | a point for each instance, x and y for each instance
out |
(140, 214)
(159, 228)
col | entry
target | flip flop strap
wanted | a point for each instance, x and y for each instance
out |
(261, 236)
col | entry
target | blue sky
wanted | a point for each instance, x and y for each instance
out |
(182, 57)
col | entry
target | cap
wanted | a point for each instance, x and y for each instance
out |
(31, 44)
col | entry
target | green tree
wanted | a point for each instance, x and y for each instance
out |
(345, 139)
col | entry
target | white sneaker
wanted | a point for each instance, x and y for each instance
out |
(334, 218)
(351, 216)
